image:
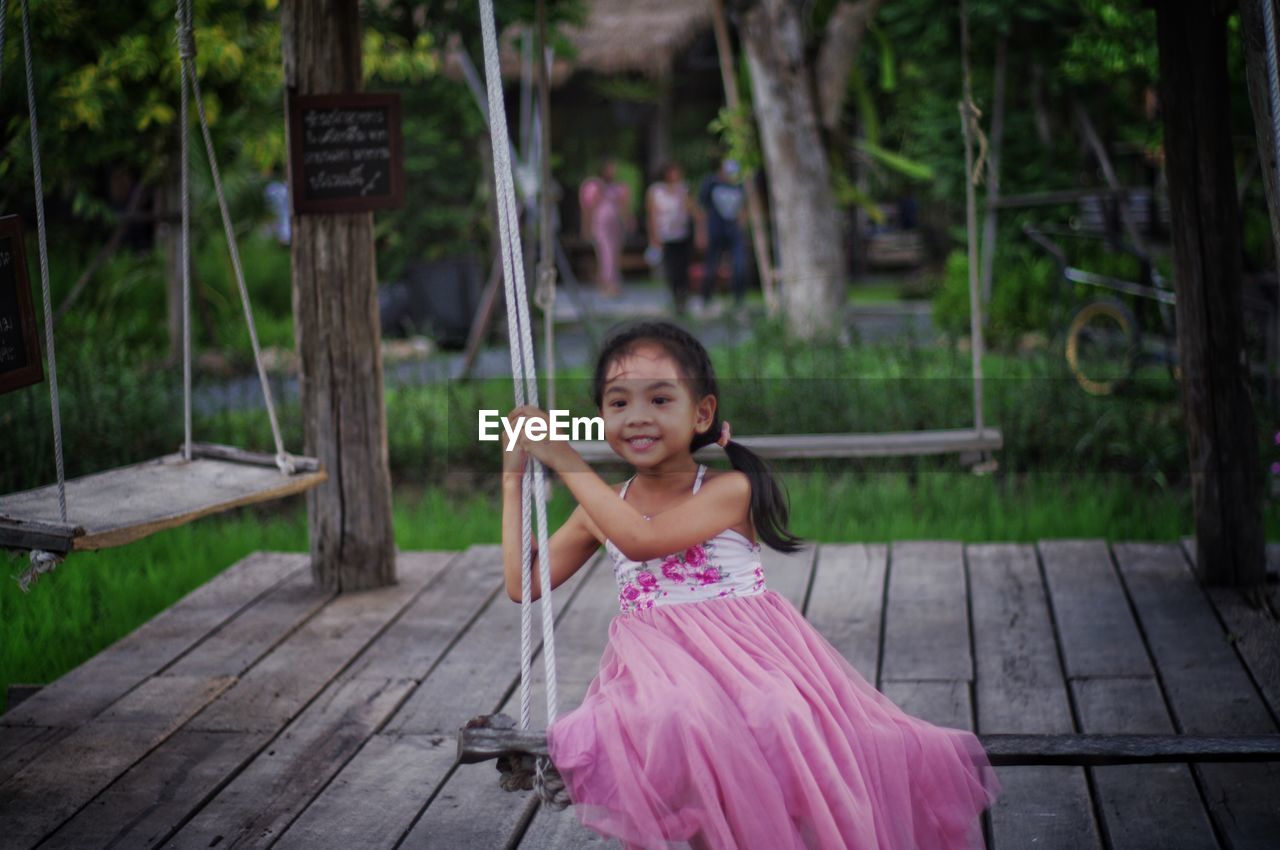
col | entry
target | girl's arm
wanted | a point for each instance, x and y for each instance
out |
(721, 503)
(572, 545)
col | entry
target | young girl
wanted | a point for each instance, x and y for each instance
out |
(720, 718)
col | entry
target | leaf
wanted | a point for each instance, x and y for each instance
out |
(896, 162)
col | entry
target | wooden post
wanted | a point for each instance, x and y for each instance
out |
(759, 224)
(335, 309)
(1226, 479)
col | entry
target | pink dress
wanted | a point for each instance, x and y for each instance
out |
(720, 718)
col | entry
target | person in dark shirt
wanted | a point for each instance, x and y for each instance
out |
(724, 204)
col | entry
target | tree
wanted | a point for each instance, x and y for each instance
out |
(789, 96)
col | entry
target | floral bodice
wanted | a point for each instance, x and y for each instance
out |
(726, 565)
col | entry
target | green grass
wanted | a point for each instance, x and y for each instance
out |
(96, 598)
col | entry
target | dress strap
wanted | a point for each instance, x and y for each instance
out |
(697, 483)
(626, 484)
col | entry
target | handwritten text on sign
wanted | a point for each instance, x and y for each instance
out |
(19, 351)
(346, 154)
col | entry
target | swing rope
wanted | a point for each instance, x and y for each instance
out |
(547, 783)
(187, 53)
(38, 177)
(189, 84)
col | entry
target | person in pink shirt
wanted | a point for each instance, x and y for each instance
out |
(607, 218)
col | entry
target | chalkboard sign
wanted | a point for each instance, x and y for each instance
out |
(345, 152)
(19, 345)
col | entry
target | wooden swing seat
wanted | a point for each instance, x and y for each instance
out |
(492, 736)
(122, 505)
(791, 446)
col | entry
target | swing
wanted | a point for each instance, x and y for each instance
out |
(522, 753)
(121, 505)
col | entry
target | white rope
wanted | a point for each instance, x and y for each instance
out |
(283, 460)
(50, 357)
(41, 562)
(186, 50)
(525, 376)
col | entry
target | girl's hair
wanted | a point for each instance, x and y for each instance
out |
(769, 511)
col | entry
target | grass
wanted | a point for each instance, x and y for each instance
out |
(94, 599)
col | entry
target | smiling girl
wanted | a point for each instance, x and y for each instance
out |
(720, 718)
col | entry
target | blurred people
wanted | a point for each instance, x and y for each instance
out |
(607, 218)
(723, 201)
(670, 213)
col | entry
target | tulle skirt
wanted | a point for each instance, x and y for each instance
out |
(732, 723)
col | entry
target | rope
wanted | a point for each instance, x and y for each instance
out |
(186, 50)
(50, 357)
(524, 373)
(41, 562)
(186, 41)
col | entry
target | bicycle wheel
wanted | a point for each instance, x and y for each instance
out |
(1103, 342)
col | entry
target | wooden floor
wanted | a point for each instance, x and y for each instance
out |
(259, 711)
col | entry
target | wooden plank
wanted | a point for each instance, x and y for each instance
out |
(1254, 628)
(1115, 691)
(239, 455)
(1206, 686)
(940, 703)
(450, 820)
(79, 695)
(1154, 805)
(788, 575)
(240, 642)
(267, 795)
(926, 621)
(121, 505)
(1096, 629)
(847, 600)
(1020, 689)
(38, 798)
(131, 812)
(418, 745)
(140, 808)
(779, 446)
(20, 744)
(280, 685)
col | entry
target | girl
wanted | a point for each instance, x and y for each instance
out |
(607, 218)
(720, 718)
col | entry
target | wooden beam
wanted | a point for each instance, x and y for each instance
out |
(335, 311)
(1226, 474)
(796, 446)
(489, 736)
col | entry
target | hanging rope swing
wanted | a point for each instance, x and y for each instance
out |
(522, 767)
(122, 505)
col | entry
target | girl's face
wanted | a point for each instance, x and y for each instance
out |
(650, 416)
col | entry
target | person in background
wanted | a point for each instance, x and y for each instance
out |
(670, 213)
(723, 201)
(606, 216)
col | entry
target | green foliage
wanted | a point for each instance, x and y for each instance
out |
(736, 130)
(1022, 295)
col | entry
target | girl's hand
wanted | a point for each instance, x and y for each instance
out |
(555, 454)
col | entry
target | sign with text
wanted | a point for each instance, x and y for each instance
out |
(19, 345)
(346, 152)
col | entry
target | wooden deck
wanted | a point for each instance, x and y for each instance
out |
(259, 711)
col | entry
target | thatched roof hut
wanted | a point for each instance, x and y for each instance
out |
(643, 36)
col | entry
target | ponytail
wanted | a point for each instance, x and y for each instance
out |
(769, 510)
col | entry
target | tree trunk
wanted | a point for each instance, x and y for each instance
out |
(1226, 480)
(804, 210)
(1254, 39)
(335, 309)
